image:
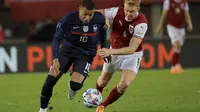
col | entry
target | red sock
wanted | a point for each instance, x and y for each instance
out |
(99, 88)
(176, 59)
(112, 97)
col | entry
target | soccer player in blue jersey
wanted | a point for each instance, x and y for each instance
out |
(80, 31)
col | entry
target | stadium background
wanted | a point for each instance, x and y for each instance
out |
(27, 28)
(26, 32)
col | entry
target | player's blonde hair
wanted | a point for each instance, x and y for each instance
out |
(133, 3)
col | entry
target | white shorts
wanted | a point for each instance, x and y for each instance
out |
(120, 62)
(176, 34)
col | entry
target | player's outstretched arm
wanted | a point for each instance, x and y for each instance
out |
(134, 43)
(188, 18)
(103, 41)
(139, 33)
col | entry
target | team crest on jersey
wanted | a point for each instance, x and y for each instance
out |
(95, 28)
(85, 28)
(131, 29)
(125, 34)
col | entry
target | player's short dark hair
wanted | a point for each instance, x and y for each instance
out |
(88, 4)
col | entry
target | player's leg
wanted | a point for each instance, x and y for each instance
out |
(176, 41)
(105, 76)
(51, 80)
(103, 80)
(177, 47)
(127, 77)
(129, 72)
(80, 72)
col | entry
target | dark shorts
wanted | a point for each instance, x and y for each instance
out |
(80, 65)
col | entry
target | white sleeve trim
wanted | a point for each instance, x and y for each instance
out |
(186, 7)
(110, 13)
(166, 5)
(140, 30)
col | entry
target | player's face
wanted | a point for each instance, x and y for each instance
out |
(85, 14)
(130, 12)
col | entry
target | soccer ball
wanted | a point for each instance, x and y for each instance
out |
(92, 98)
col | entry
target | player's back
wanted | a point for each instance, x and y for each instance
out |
(82, 39)
(122, 31)
(176, 13)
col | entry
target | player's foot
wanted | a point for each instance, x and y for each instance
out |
(71, 93)
(176, 70)
(43, 110)
(173, 70)
(100, 108)
(179, 69)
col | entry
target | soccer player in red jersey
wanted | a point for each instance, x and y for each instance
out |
(128, 30)
(176, 12)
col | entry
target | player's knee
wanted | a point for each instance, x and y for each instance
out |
(75, 86)
(53, 72)
(177, 45)
(78, 77)
(122, 87)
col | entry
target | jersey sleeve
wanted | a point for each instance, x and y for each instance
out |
(140, 30)
(60, 30)
(103, 34)
(110, 13)
(186, 7)
(166, 5)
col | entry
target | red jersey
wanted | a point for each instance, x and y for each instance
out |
(122, 30)
(176, 12)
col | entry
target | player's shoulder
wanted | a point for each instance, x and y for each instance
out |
(99, 17)
(141, 18)
(71, 15)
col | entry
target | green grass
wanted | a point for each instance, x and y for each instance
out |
(152, 91)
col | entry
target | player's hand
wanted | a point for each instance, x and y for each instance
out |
(190, 28)
(107, 59)
(104, 52)
(107, 24)
(56, 65)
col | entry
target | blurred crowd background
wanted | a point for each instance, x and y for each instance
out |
(35, 20)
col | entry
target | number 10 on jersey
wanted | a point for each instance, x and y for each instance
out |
(83, 39)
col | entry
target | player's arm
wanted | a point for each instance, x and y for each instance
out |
(60, 30)
(188, 18)
(103, 35)
(109, 14)
(139, 33)
(103, 41)
(163, 16)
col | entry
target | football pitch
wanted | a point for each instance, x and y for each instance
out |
(152, 91)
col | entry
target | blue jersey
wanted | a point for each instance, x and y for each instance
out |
(78, 38)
